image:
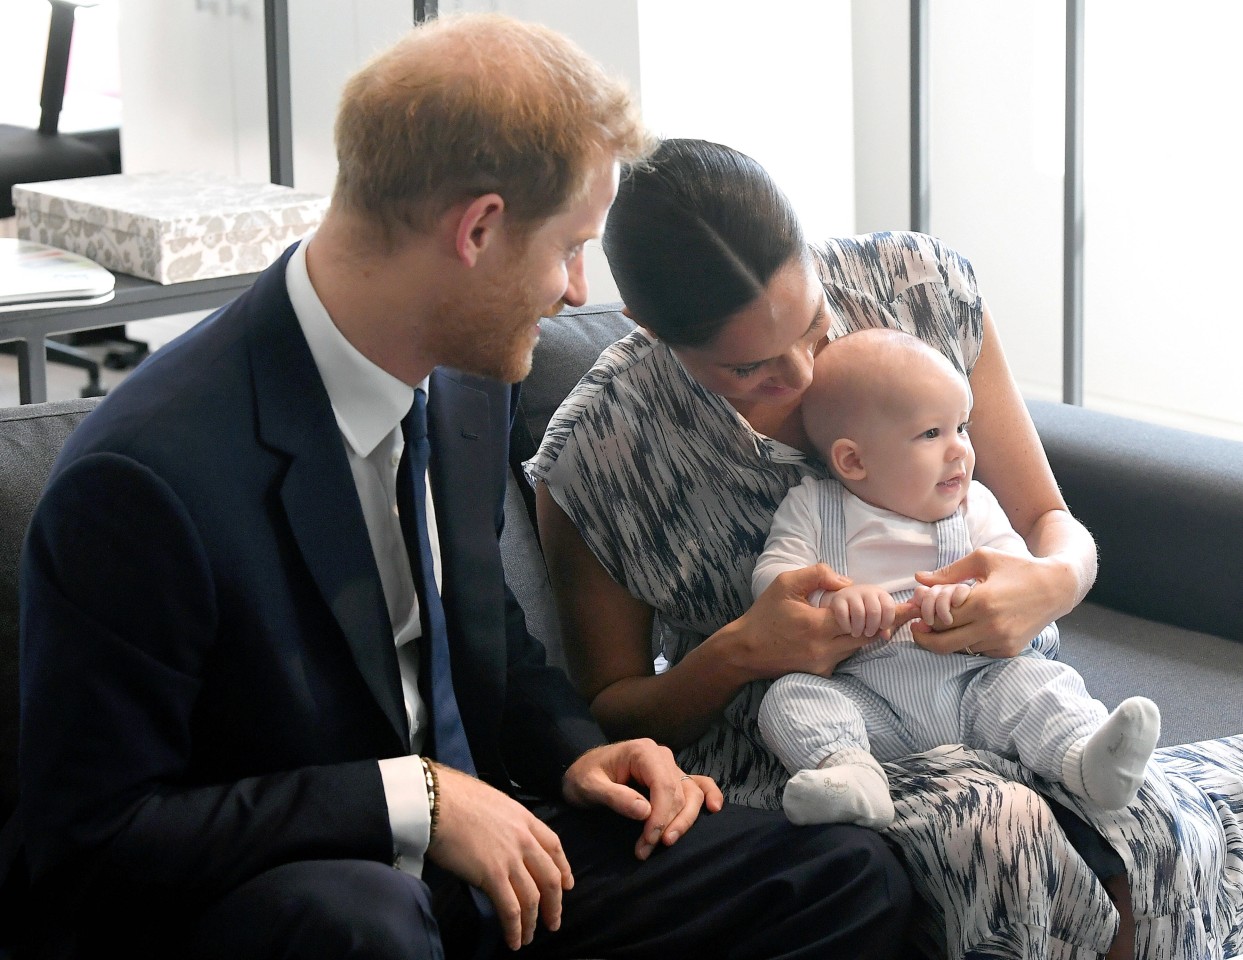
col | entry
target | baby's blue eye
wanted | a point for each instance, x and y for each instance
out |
(932, 434)
(964, 427)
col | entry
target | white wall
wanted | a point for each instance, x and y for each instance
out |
(1161, 195)
(879, 30)
(773, 81)
(195, 88)
(328, 41)
(92, 88)
(997, 87)
(1164, 201)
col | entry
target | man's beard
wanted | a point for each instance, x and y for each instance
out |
(493, 333)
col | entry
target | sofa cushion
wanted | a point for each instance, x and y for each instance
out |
(1193, 677)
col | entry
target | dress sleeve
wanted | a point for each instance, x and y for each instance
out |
(587, 458)
(906, 280)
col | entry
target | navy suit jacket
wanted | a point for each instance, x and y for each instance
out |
(208, 673)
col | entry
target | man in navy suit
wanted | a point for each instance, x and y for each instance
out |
(241, 603)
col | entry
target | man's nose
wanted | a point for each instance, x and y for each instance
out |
(576, 285)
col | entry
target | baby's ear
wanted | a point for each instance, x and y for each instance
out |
(845, 459)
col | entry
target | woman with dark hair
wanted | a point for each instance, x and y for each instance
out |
(656, 485)
(714, 213)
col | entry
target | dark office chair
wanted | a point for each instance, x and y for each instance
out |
(32, 156)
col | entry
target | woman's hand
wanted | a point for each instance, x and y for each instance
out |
(783, 633)
(938, 602)
(1013, 599)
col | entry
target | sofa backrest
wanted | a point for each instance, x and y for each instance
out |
(1166, 508)
(568, 347)
(30, 438)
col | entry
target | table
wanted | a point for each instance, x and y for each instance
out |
(135, 299)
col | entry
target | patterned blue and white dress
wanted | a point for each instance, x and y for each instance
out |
(674, 492)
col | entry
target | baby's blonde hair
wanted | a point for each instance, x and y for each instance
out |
(856, 375)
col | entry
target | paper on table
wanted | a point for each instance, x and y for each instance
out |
(34, 274)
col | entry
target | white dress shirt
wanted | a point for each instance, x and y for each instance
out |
(369, 405)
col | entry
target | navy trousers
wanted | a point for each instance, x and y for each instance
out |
(741, 884)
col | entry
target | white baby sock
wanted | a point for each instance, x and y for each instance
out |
(1108, 766)
(852, 788)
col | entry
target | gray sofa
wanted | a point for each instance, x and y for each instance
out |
(1166, 506)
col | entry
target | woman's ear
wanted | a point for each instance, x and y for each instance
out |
(476, 226)
(846, 461)
(638, 323)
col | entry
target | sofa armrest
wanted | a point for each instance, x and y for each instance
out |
(30, 439)
(1166, 508)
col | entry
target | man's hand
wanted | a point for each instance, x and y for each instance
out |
(494, 843)
(602, 777)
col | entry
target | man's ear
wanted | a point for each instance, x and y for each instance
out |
(477, 226)
(845, 459)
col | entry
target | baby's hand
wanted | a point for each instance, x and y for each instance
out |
(936, 603)
(862, 610)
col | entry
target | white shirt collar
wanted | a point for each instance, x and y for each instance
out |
(368, 402)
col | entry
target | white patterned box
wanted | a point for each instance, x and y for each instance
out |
(168, 227)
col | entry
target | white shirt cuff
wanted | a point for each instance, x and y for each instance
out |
(409, 815)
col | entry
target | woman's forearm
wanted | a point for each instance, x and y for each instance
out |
(1058, 537)
(678, 706)
(780, 633)
(607, 639)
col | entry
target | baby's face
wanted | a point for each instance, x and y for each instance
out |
(917, 453)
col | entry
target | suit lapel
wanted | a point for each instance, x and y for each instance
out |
(462, 431)
(319, 496)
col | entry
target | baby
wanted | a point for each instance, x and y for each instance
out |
(889, 416)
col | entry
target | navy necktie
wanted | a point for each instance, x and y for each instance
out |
(447, 742)
(448, 737)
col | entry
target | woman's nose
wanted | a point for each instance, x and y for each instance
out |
(795, 370)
